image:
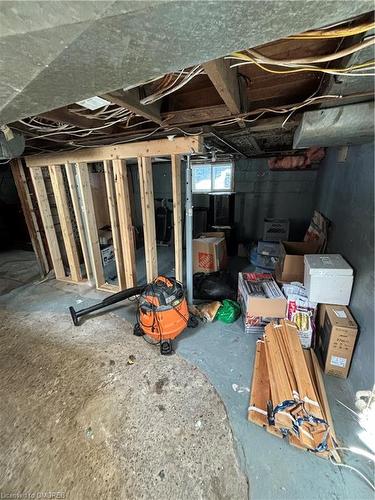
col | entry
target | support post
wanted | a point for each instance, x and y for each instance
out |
(189, 231)
(177, 217)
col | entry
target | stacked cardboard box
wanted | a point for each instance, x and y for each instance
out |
(261, 300)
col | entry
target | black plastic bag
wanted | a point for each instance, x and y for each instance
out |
(214, 286)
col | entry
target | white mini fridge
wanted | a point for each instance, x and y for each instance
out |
(328, 279)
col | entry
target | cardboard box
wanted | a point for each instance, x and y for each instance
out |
(209, 252)
(261, 300)
(291, 262)
(301, 311)
(337, 340)
(276, 229)
(328, 279)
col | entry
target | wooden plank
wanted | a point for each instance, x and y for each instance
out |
(61, 200)
(177, 215)
(90, 221)
(196, 115)
(325, 404)
(148, 216)
(304, 383)
(46, 216)
(29, 214)
(69, 169)
(112, 206)
(125, 221)
(129, 99)
(260, 392)
(160, 147)
(225, 81)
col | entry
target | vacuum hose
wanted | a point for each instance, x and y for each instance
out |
(108, 301)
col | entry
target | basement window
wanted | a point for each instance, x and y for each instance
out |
(213, 178)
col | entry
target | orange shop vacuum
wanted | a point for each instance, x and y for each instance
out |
(162, 311)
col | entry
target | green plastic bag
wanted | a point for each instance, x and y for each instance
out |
(229, 311)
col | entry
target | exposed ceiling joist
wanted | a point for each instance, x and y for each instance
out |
(226, 83)
(129, 99)
(65, 116)
(117, 52)
(196, 115)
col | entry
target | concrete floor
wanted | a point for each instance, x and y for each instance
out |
(225, 355)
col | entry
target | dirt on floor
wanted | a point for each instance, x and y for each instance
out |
(94, 412)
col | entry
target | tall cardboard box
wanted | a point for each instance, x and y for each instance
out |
(337, 340)
(291, 264)
(209, 252)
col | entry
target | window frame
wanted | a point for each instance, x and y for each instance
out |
(212, 165)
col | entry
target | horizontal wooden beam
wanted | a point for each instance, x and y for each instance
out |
(197, 115)
(225, 81)
(129, 99)
(160, 147)
(66, 116)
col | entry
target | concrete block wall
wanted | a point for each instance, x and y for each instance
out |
(261, 193)
(345, 194)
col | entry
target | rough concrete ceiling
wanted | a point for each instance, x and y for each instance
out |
(56, 53)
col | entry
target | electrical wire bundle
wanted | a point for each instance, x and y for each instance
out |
(170, 83)
(307, 63)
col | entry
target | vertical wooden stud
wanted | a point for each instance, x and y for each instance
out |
(90, 220)
(112, 206)
(69, 169)
(29, 214)
(148, 216)
(59, 192)
(49, 228)
(177, 216)
(125, 221)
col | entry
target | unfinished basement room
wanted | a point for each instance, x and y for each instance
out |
(187, 250)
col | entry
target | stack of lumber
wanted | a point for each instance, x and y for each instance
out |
(287, 394)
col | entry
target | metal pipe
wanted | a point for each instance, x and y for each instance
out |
(189, 231)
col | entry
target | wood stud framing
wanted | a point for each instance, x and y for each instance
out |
(57, 180)
(118, 198)
(69, 168)
(90, 220)
(46, 216)
(148, 216)
(115, 226)
(125, 221)
(29, 214)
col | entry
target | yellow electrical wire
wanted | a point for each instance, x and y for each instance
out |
(250, 60)
(338, 33)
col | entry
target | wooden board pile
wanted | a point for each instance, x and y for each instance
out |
(287, 394)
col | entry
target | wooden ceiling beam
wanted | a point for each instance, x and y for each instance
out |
(65, 116)
(129, 99)
(226, 83)
(196, 115)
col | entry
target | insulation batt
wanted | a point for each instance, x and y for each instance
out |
(313, 154)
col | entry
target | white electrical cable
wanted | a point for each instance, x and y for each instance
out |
(355, 470)
(197, 70)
